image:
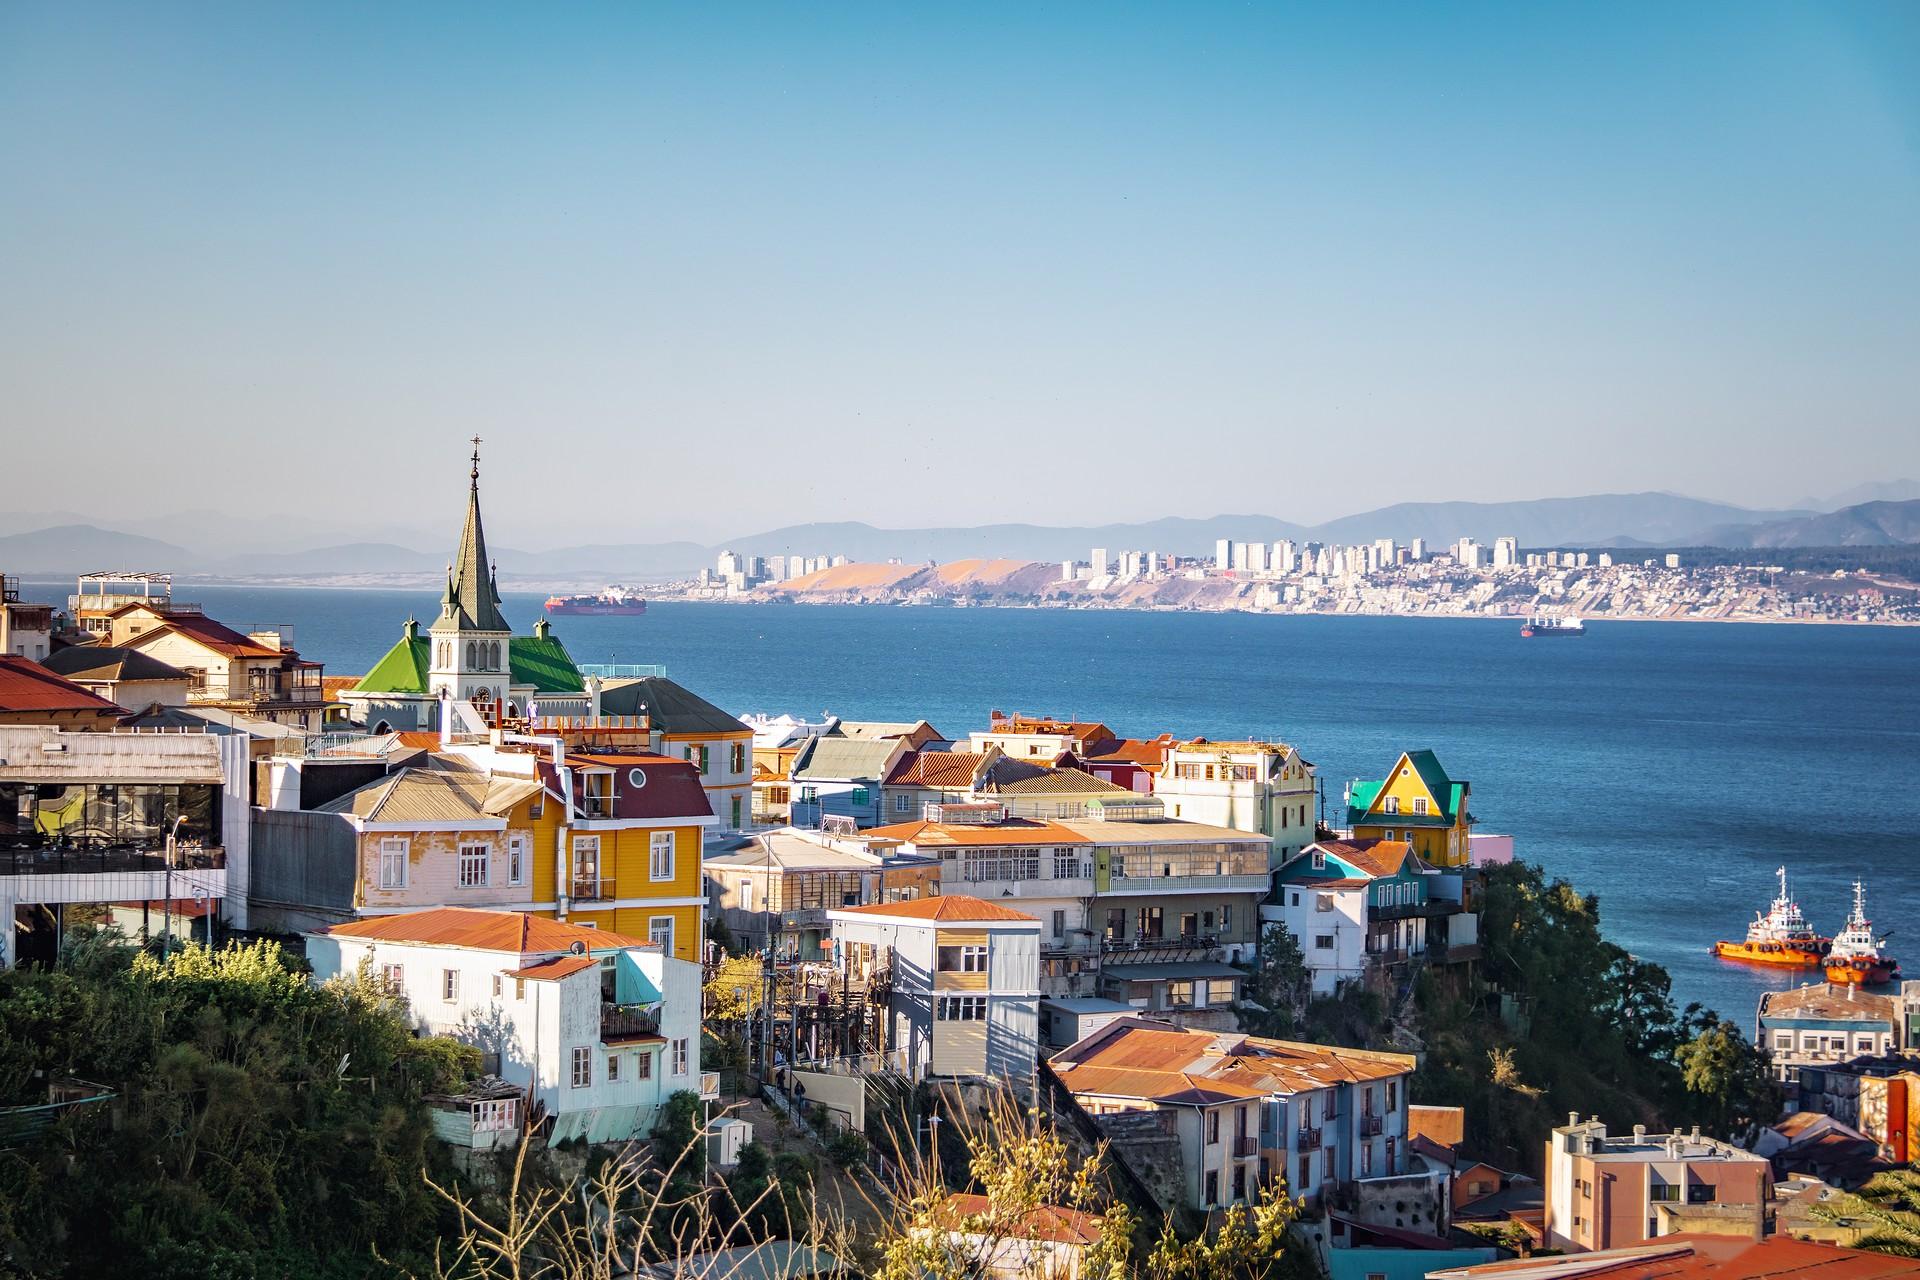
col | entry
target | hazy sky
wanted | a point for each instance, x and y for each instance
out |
(702, 270)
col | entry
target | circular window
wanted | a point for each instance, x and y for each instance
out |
(636, 778)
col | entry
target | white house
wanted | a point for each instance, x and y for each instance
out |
(602, 1028)
(962, 977)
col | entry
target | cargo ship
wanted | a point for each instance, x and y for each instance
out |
(614, 601)
(1540, 626)
(1782, 936)
(1857, 956)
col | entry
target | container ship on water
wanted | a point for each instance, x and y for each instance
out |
(1857, 956)
(1540, 627)
(614, 601)
(1781, 936)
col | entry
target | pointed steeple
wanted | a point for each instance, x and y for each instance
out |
(473, 602)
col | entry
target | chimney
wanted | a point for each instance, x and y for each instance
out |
(1639, 1133)
(1573, 1118)
(1696, 1133)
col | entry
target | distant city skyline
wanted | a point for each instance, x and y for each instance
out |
(693, 273)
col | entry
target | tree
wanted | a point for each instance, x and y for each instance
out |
(736, 990)
(1729, 1079)
(1277, 991)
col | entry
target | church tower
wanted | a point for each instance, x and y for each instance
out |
(470, 642)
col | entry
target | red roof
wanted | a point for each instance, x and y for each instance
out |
(1147, 751)
(217, 636)
(947, 908)
(25, 685)
(672, 788)
(514, 932)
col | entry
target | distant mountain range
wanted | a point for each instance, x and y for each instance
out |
(1600, 520)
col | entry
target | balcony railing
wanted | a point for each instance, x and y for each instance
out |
(1180, 941)
(592, 889)
(1370, 1126)
(619, 1023)
(1306, 1140)
(1248, 1146)
(47, 860)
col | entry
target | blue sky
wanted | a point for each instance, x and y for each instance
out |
(728, 267)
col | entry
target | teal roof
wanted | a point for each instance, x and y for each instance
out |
(544, 663)
(402, 670)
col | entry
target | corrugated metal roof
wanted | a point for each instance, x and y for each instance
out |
(514, 932)
(1172, 970)
(107, 757)
(1013, 833)
(947, 908)
(434, 795)
(25, 685)
(845, 759)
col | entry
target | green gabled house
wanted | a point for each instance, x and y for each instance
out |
(469, 653)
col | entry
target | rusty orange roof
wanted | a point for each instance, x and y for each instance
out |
(1130, 751)
(1138, 1050)
(1175, 1088)
(1019, 832)
(515, 932)
(217, 636)
(947, 908)
(1377, 858)
(25, 685)
(936, 769)
(555, 969)
(1054, 1222)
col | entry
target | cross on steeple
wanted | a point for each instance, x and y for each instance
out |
(475, 473)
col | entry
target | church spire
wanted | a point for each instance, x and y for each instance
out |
(473, 601)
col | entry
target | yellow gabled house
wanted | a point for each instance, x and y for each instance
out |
(1419, 802)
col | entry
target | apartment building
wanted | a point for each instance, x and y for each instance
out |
(1247, 1109)
(1417, 801)
(26, 628)
(1360, 908)
(147, 830)
(961, 980)
(1819, 1025)
(598, 1028)
(1608, 1192)
(1252, 786)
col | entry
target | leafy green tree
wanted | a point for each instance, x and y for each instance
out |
(1729, 1078)
(1277, 991)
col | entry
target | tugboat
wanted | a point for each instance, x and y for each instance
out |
(1540, 626)
(1782, 936)
(614, 600)
(1856, 956)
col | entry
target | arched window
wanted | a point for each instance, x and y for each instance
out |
(493, 656)
(473, 655)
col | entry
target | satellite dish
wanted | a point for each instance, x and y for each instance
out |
(578, 947)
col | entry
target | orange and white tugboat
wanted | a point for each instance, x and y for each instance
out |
(1782, 936)
(1857, 956)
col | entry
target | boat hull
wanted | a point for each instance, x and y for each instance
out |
(1862, 973)
(1784, 955)
(597, 610)
(1549, 633)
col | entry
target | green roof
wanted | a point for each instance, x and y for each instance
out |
(1448, 795)
(402, 670)
(544, 663)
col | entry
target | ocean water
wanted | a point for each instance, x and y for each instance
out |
(1666, 767)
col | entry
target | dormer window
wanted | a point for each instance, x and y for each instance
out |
(1392, 805)
(1319, 860)
(1420, 804)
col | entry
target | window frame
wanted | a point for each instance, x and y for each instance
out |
(658, 842)
(467, 862)
(582, 1064)
(389, 846)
